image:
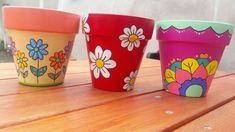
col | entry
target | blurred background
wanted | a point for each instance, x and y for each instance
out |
(212, 10)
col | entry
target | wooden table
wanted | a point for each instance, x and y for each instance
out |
(77, 106)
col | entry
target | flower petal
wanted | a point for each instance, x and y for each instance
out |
(139, 32)
(200, 72)
(127, 31)
(136, 72)
(31, 53)
(130, 47)
(29, 47)
(92, 57)
(126, 86)
(125, 43)
(137, 43)
(141, 37)
(43, 46)
(105, 72)
(39, 43)
(35, 55)
(123, 36)
(106, 55)
(127, 80)
(92, 66)
(133, 29)
(132, 75)
(182, 75)
(43, 52)
(110, 64)
(33, 43)
(96, 72)
(98, 52)
(40, 56)
(174, 87)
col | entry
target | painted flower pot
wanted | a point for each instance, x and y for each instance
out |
(116, 45)
(190, 52)
(42, 41)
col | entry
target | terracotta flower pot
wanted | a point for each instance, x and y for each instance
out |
(115, 46)
(190, 53)
(42, 41)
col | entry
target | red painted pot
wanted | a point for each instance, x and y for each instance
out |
(115, 45)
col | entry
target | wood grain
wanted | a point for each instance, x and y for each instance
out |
(11, 86)
(136, 113)
(25, 107)
(219, 120)
(83, 63)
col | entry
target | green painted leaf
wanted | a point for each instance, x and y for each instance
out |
(203, 61)
(190, 65)
(38, 72)
(57, 74)
(176, 65)
(52, 76)
(18, 72)
(33, 70)
(42, 71)
(24, 74)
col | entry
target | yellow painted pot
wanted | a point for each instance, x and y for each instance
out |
(41, 41)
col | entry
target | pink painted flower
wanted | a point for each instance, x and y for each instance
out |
(13, 46)
(199, 80)
(68, 49)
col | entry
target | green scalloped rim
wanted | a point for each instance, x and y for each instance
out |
(41, 85)
(197, 25)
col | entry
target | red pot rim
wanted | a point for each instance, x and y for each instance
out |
(36, 19)
(113, 24)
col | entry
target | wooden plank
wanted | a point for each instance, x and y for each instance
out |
(218, 120)
(83, 63)
(74, 67)
(139, 113)
(24, 107)
(11, 86)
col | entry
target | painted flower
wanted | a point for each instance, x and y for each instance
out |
(190, 77)
(85, 26)
(68, 49)
(13, 46)
(21, 60)
(101, 62)
(131, 37)
(37, 49)
(57, 60)
(130, 81)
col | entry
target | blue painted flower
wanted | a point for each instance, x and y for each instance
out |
(194, 88)
(37, 49)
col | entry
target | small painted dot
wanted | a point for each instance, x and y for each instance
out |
(157, 97)
(207, 127)
(168, 112)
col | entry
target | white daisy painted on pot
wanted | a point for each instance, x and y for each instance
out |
(131, 37)
(85, 26)
(100, 62)
(130, 81)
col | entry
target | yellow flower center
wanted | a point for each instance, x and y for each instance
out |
(99, 63)
(133, 37)
(132, 81)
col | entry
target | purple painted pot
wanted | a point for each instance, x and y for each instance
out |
(190, 52)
